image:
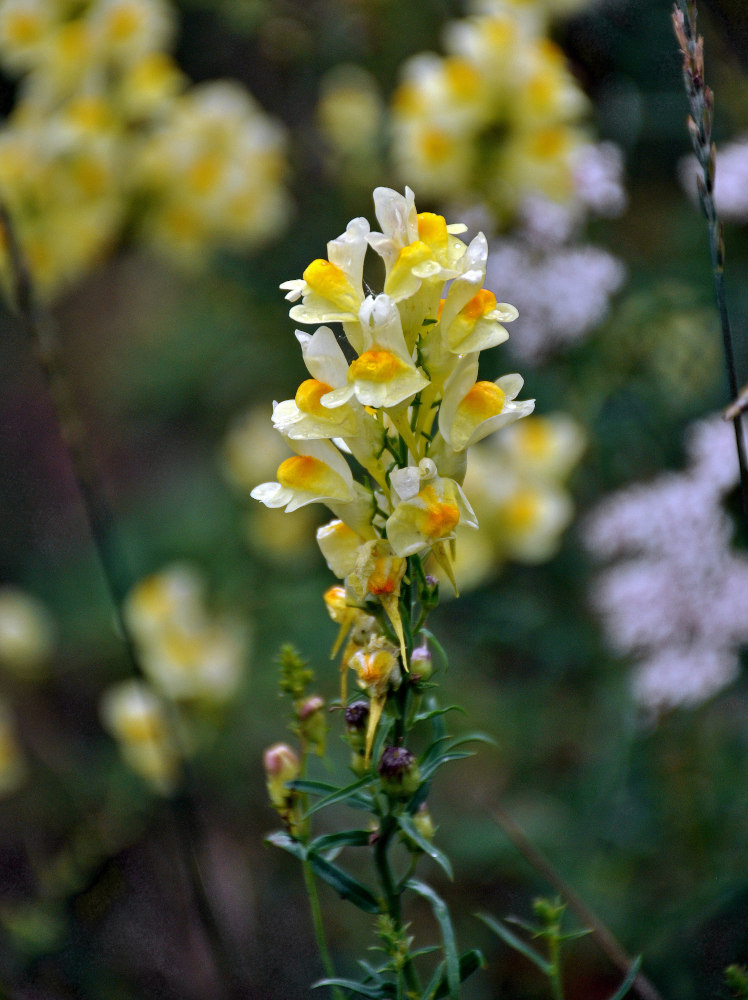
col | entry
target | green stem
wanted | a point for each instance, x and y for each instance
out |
(557, 988)
(392, 895)
(319, 928)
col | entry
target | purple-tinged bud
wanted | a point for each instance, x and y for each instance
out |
(314, 703)
(312, 724)
(398, 772)
(356, 716)
(421, 663)
(356, 721)
(281, 765)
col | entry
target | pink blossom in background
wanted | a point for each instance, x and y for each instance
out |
(675, 595)
(730, 179)
(562, 292)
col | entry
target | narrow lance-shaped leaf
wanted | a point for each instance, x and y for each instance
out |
(345, 838)
(469, 962)
(510, 938)
(348, 794)
(344, 884)
(441, 912)
(410, 829)
(380, 991)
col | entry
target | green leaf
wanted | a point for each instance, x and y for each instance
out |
(510, 938)
(287, 843)
(629, 980)
(470, 962)
(441, 912)
(436, 754)
(312, 787)
(434, 712)
(432, 750)
(409, 828)
(380, 991)
(348, 794)
(344, 884)
(428, 772)
(346, 838)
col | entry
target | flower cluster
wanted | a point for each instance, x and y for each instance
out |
(190, 657)
(107, 136)
(675, 595)
(187, 653)
(399, 403)
(499, 117)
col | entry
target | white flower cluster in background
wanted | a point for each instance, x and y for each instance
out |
(675, 595)
(582, 277)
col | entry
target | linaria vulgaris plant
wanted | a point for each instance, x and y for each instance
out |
(381, 432)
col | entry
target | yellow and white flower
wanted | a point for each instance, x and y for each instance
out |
(470, 318)
(383, 375)
(496, 118)
(378, 572)
(317, 473)
(188, 654)
(306, 416)
(472, 410)
(339, 546)
(428, 511)
(377, 670)
(331, 290)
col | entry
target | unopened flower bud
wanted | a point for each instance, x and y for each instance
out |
(421, 663)
(281, 765)
(399, 772)
(312, 722)
(423, 822)
(358, 763)
(429, 593)
(548, 911)
(356, 719)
